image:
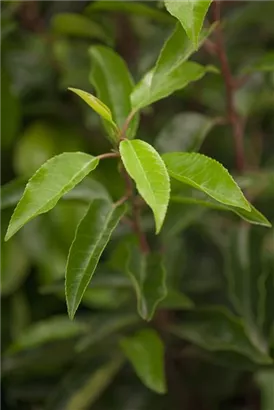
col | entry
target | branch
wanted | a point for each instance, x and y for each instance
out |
(235, 120)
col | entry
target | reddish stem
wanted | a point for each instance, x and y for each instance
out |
(232, 114)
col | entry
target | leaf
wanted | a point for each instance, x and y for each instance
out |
(176, 300)
(171, 71)
(91, 238)
(207, 175)
(214, 329)
(99, 107)
(73, 24)
(113, 84)
(265, 63)
(84, 384)
(254, 216)
(265, 380)
(191, 14)
(145, 351)
(148, 277)
(135, 8)
(148, 92)
(250, 282)
(185, 132)
(46, 331)
(146, 167)
(54, 179)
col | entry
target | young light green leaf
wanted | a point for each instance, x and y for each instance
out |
(207, 175)
(145, 351)
(73, 24)
(148, 170)
(113, 84)
(135, 8)
(191, 14)
(185, 132)
(253, 216)
(148, 278)
(171, 71)
(54, 179)
(98, 106)
(91, 238)
(214, 329)
(148, 91)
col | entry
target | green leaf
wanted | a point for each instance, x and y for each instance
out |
(135, 8)
(254, 216)
(191, 14)
(214, 329)
(147, 91)
(73, 24)
(265, 380)
(185, 132)
(53, 329)
(91, 238)
(171, 71)
(176, 300)
(146, 167)
(148, 277)
(84, 384)
(264, 63)
(54, 179)
(207, 175)
(99, 107)
(145, 351)
(113, 84)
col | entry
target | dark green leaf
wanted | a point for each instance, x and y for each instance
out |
(265, 380)
(216, 330)
(113, 84)
(185, 132)
(54, 179)
(135, 8)
(148, 277)
(146, 167)
(53, 329)
(207, 175)
(83, 385)
(73, 24)
(11, 193)
(191, 15)
(145, 351)
(91, 238)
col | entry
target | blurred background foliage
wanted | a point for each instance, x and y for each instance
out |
(217, 321)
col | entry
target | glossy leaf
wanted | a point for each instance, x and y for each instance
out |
(207, 175)
(54, 179)
(135, 8)
(98, 106)
(146, 167)
(50, 330)
(113, 84)
(185, 132)
(73, 24)
(171, 71)
(147, 92)
(145, 351)
(254, 216)
(91, 238)
(191, 15)
(84, 384)
(215, 329)
(148, 277)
